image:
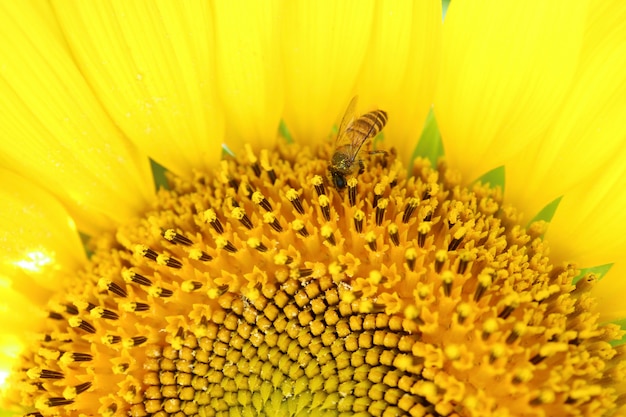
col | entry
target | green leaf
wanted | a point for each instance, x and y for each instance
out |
(547, 213)
(495, 178)
(622, 324)
(429, 145)
(599, 271)
(158, 175)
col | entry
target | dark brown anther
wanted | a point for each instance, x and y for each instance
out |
(375, 200)
(352, 184)
(410, 263)
(358, 225)
(275, 225)
(82, 357)
(82, 387)
(229, 247)
(173, 263)
(294, 199)
(326, 212)
(380, 211)
(261, 247)
(304, 272)
(393, 234)
(140, 279)
(50, 374)
(506, 312)
(86, 326)
(537, 359)
(55, 316)
(512, 337)
(141, 306)
(484, 281)
(211, 217)
(245, 220)
(260, 199)
(370, 238)
(164, 292)
(233, 183)
(150, 254)
(172, 236)
(409, 208)
(463, 262)
(109, 314)
(71, 309)
(117, 290)
(272, 175)
(318, 184)
(440, 260)
(205, 257)
(421, 239)
(448, 279)
(265, 204)
(180, 333)
(139, 340)
(426, 194)
(454, 244)
(256, 168)
(58, 402)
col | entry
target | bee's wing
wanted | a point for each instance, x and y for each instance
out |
(344, 136)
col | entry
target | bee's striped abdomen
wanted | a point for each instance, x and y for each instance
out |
(369, 124)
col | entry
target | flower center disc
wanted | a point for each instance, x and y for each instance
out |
(261, 290)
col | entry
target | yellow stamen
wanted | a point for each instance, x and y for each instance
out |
(273, 293)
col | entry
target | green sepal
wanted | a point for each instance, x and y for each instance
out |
(84, 239)
(599, 271)
(283, 131)
(429, 145)
(547, 213)
(158, 175)
(378, 141)
(495, 178)
(444, 7)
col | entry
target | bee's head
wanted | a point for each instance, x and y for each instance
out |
(339, 180)
(341, 161)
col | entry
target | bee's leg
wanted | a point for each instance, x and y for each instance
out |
(361, 166)
(380, 152)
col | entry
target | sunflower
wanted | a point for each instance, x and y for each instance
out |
(473, 268)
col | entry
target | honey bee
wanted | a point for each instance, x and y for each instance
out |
(352, 134)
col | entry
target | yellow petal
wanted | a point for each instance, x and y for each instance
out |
(324, 44)
(590, 128)
(37, 235)
(151, 65)
(400, 68)
(17, 315)
(589, 227)
(506, 67)
(55, 131)
(249, 69)
(10, 348)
